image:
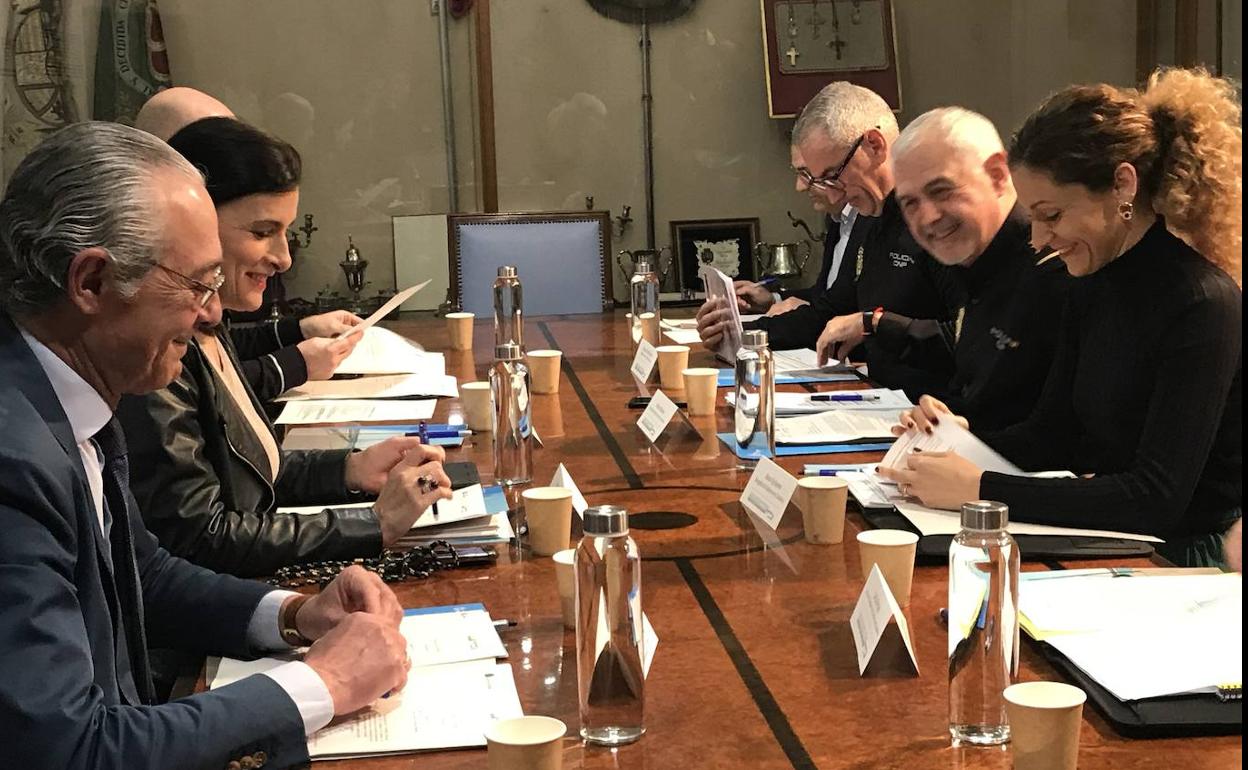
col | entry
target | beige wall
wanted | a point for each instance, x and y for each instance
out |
(355, 87)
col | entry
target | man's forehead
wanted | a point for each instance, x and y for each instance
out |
(818, 150)
(930, 162)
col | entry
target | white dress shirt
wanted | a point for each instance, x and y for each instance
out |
(846, 223)
(88, 413)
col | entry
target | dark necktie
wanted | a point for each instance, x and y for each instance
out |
(133, 675)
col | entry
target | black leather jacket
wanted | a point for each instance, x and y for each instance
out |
(197, 472)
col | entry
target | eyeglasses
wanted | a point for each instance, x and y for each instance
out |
(206, 290)
(831, 180)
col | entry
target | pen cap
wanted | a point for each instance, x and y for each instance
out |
(985, 515)
(506, 271)
(754, 338)
(605, 521)
(508, 351)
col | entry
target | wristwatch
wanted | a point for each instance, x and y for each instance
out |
(868, 320)
(286, 622)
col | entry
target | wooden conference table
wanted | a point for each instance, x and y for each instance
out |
(755, 666)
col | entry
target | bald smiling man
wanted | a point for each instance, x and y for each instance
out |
(173, 109)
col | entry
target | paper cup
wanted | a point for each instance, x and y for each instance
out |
(822, 500)
(893, 551)
(548, 511)
(673, 359)
(459, 326)
(646, 327)
(544, 368)
(526, 743)
(1045, 718)
(700, 390)
(474, 398)
(565, 574)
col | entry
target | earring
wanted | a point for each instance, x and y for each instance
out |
(1126, 210)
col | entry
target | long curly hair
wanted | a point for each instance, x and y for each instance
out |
(1181, 133)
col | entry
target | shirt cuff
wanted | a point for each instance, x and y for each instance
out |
(306, 688)
(263, 630)
(775, 298)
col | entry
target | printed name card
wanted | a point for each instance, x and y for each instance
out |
(564, 479)
(870, 626)
(768, 492)
(657, 415)
(643, 362)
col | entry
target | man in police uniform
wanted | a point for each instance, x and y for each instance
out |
(956, 195)
(841, 153)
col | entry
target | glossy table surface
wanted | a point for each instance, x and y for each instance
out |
(755, 666)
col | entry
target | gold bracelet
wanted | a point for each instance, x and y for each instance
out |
(287, 625)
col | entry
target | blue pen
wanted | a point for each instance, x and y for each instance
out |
(425, 434)
(769, 281)
(827, 473)
(844, 397)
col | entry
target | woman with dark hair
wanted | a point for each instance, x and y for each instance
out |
(208, 473)
(1140, 194)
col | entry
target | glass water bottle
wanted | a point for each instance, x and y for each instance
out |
(508, 308)
(513, 431)
(644, 294)
(755, 411)
(983, 624)
(611, 682)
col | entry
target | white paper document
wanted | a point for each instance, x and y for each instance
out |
(767, 493)
(384, 310)
(1142, 636)
(382, 386)
(948, 436)
(643, 362)
(658, 414)
(465, 503)
(836, 427)
(485, 530)
(442, 707)
(382, 351)
(564, 479)
(870, 620)
(323, 411)
(683, 336)
(435, 638)
(719, 287)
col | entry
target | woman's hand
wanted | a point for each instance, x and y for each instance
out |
(929, 412)
(937, 479)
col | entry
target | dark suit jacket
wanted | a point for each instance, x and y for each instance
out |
(60, 705)
(832, 234)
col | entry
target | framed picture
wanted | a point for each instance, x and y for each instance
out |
(728, 244)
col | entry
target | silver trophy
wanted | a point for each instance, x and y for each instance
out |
(353, 266)
(782, 260)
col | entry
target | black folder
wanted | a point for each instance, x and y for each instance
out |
(1171, 717)
(933, 548)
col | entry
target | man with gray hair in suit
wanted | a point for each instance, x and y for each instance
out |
(109, 261)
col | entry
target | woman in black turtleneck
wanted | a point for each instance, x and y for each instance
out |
(1144, 397)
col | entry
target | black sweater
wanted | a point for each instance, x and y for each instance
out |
(1007, 337)
(1145, 393)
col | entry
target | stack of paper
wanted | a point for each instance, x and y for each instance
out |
(455, 689)
(1140, 636)
(331, 411)
(840, 427)
(473, 516)
(378, 387)
(801, 403)
(381, 351)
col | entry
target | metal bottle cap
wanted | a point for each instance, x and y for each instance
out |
(508, 351)
(985, 515)
(643, 267)
(506, 271)
(605, 520)
(754, 338)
